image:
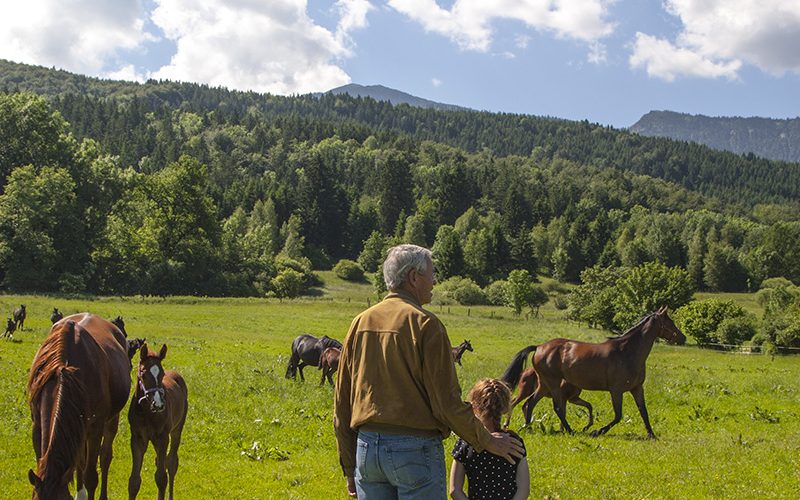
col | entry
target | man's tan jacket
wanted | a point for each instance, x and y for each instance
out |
(396, 374)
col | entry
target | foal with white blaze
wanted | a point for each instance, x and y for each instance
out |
(157, 414)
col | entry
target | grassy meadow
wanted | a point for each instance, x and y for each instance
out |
(727, 424)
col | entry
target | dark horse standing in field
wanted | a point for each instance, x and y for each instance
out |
(329, 363)
(78, 383)
(532, 390)
(157, 414)
(616, 365)
(306, 350)
(459, 350)
(55, 315)
(19, 317)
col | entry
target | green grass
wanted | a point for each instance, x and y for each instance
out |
(727, 423)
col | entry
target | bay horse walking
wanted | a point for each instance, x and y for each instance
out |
(78, 383)
(156, 415)
(616, 365)
(459, 350)
(306, 350)
(329, 363)
(531, 389)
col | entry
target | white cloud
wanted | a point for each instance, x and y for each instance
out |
(597, 53)
(468, 22)
(719, 36)
(127, 72)
(666, 61)
(251, 44)
(84, 36)
(522, 41)
(436, 82)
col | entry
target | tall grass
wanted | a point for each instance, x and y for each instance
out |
(727, 424)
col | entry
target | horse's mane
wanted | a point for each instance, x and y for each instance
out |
(51, 356)
(329, 342)
(635, 327)
(67, 424)
(67, 427)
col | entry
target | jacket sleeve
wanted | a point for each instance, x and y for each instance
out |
(441, 384)
(342, 401)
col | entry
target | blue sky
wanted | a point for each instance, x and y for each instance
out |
(607, 61)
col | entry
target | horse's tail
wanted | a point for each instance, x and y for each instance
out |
(514, 371)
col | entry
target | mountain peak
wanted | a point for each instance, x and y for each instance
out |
(393, 96)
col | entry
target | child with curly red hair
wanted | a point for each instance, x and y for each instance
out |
(489, 476)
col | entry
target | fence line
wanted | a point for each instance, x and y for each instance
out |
(749, 349)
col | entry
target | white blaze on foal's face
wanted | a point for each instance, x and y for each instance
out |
(158, 402)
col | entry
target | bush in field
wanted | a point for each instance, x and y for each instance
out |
(715, 321)
(776, 295)
(461, 290)
(496, 292)
(287, 284)
(521, 292)
(349, 270)
(737, 330)
(300, 265)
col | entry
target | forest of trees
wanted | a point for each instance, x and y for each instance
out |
(166, 188)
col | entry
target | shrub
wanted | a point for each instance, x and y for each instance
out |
(461, 290)
(349, 270)
(496, 292)
(715, 321)
(287, 284)
(736, 330)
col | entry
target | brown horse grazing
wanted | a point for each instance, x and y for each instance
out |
(55, 315)
(78, 383)
(532, 390)
(306, 350)
(19, 317)
(157, 414)
(616, 365)
(459, 350)
(329, 363)
(11, 327)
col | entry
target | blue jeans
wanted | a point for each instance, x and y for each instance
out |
(393, 466)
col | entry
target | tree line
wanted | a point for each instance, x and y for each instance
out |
(211, 206)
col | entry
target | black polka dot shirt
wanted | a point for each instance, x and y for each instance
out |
(489, 476)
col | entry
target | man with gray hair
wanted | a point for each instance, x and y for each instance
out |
(397, 395)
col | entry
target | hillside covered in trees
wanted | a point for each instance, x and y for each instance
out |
(765, 137)
(168, 188)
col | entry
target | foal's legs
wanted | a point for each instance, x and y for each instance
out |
(616, 402)
(530, 404)
(559, 404)
(580, 402)
(107, 452)
(172, 458)
(638, 396)
(138, 448)
(160, 445)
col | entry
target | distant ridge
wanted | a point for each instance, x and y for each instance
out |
(769, 138)
(381, 93)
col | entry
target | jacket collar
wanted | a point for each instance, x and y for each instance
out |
(403, 295)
